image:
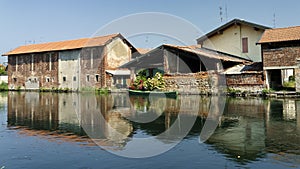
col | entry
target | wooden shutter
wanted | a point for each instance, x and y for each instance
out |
(245, 45)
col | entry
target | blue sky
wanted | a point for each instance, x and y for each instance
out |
(45, 21)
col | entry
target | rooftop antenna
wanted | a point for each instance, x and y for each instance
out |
(221, 14)
(226, 14)
(274, 20)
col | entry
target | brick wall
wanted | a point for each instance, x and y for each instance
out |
(246, 82)
(33, 68)
(92, 67)
(280, 56)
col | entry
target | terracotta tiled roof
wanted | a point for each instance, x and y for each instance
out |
(62, 45)
(281, 35)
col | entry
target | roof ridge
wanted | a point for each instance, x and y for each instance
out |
(115, 34)
(228, 24)
(64, 44)
(289, 27)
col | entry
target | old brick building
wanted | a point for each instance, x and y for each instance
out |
(73, 64)
(280, 52)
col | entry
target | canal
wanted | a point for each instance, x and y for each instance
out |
(70, 130)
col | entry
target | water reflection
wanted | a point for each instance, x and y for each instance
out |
(252, 128)
(249, 129)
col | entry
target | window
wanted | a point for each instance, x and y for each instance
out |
(97, 78)
(245, 45)
(64, 78)
(74, 78)
(15, 79)
(47, 79)
(87, 78)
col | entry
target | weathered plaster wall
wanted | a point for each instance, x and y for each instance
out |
(117, 53)
(31, 71)
(69, 69)
(230, 41)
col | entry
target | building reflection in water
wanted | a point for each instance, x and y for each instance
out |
(247, 131)
(251, 128)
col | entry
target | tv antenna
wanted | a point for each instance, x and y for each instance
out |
(221, 7)
(221, 14)
(274, 20)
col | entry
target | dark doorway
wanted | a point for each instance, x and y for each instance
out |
(275, 79)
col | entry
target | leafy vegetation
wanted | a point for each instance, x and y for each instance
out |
(148, 83)
(232, 91)
(3, 70)
(102, 91)
(3, 86)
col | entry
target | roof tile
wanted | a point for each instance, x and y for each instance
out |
(62, 45)
(281, 35)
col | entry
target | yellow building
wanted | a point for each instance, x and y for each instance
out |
(237, 37)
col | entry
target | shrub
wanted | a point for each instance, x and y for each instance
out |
(3, 86)
(143, 83)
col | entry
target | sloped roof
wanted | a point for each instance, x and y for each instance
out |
(255, 67)
(281, 35)
(195, 50)
(119, 72)
(143, 50)
(229, 24)
(209, 53)
(63, 45)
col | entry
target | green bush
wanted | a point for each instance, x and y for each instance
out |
(102, 91)
(291, 78)
(155, 83)
(3, 86)
(232, 91)
(143, 83)
(289, 84)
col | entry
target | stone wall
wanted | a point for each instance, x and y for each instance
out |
(280, 57)
(210, 83)
(246, 82)
(192, 83)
